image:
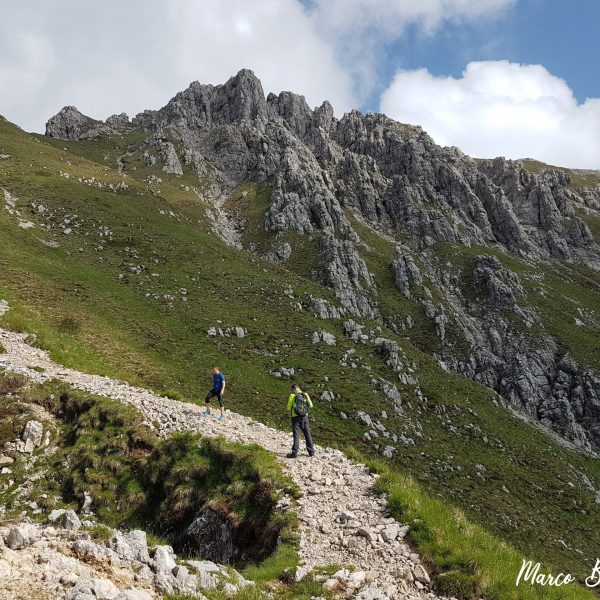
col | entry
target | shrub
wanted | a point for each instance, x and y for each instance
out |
(10, 384)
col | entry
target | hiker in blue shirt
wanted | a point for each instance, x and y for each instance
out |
(217, 391)
(298, 406)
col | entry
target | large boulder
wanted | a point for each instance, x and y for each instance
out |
(71, 520)
(131, 546)
(164, 560)
(21, 536)
(212, 536)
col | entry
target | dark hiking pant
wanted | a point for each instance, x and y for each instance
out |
(214, 394)
(302, 424)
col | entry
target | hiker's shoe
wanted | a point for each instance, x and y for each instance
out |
(311, 454)
(291, 455)
(206, 412)
(222, 418)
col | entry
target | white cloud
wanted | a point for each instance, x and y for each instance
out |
(112, 56)
(275, 38)
(118, 56)
(389, 17)
(500, 108)
(361, 30)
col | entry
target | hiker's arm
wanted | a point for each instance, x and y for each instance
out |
(309, 400)
(290, 402)
(223, 387)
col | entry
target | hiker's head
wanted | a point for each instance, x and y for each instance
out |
(295, 387)
(215, 370)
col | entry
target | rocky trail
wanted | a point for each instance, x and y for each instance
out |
(343, 521)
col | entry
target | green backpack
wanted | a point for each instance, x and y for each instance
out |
(301, 405)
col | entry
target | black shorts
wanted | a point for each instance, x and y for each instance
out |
(213, 394)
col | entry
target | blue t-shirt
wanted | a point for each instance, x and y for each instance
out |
(218, 380)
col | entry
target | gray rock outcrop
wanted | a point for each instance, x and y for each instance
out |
(32, 436)
(498, 285)
(68, 124)
(406, 273)
(212, 536)
(346, 272)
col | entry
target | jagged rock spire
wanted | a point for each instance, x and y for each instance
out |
(68, 124)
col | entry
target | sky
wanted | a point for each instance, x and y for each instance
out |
(514, 78)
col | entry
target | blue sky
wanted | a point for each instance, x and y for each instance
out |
(493, 77)
(562, 35)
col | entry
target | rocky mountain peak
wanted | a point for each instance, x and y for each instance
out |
(240, 99)
(68, 124)
(243, 95)
(326, 174)
(71, 124)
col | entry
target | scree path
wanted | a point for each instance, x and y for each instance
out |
(343, 521)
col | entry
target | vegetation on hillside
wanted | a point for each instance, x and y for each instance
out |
(468, 562)
(114, 304)
(106, 451)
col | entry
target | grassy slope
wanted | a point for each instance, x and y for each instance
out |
(73, 299)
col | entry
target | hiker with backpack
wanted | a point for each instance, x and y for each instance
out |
(299, 405)
(217, 391)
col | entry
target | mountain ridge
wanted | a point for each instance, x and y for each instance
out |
(394, 177)
(113, 256)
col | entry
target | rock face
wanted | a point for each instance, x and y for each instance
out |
(497, 284)
(346, 272)
(530, 371)
(326, 175)
(541, 204)
(171, 160)
(212, 536)
(70, 124)
(50, 562)
(406, 273)
(389, 174)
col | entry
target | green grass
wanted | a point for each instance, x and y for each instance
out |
(100, 532)
(284, 557)
(467, 561)
(13, 415)
(565, 289)
(250, 202)
(90, 319)
(241, 483)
